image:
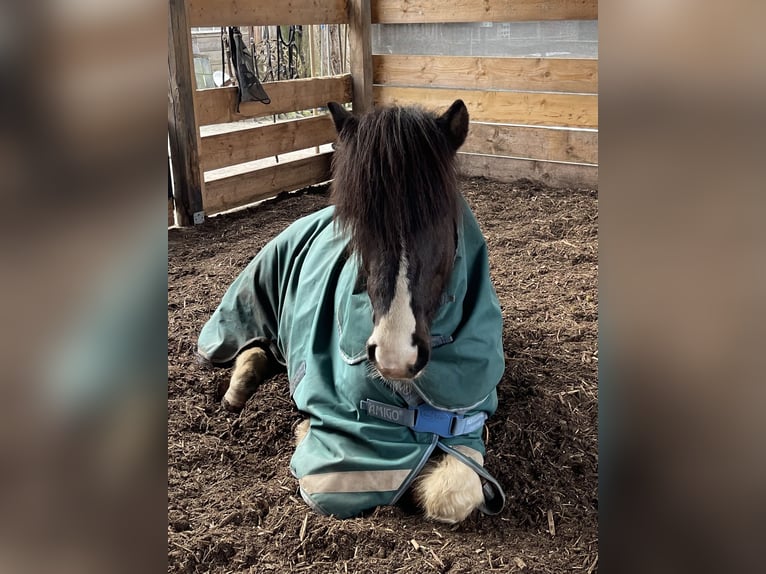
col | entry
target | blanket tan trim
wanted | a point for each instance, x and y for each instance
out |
(354, 481)
(468, 451)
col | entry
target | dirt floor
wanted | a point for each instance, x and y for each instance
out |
(233, 505)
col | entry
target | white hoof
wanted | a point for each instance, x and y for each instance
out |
(249, 370)
(448, 490)
(301, 430)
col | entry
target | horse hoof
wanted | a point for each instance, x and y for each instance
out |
(220, 390)
(448, 490)
(301, 430)
(230, 407)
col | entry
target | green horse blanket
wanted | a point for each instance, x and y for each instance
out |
(366, 442)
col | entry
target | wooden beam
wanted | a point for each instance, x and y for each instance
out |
(240, 146)
(507, 169)
(436, 11)
(242, 189)
(540, 74)
(277, 13)
(219, 105)
(171, 213)
(360, 45)
(182, 126)
(171, 206)
(550, 144)
(543, 109)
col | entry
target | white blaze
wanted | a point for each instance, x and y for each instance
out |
(395, 352)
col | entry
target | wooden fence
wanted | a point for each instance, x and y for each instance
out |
(531, 117)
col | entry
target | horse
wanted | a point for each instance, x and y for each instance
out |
(381, 309)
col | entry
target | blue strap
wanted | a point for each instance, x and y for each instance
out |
(425, 418)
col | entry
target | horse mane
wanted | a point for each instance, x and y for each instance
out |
(395, 180)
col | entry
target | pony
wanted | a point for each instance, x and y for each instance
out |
(381, 309)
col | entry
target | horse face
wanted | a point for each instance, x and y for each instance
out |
(393, 347)
(405, 292)
(395, 191)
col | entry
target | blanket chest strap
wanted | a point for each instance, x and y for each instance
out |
(425, 418)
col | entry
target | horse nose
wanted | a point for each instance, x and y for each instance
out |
(394, 364)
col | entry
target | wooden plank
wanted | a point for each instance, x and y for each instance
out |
(171, 213)
(238, 190)
(360, 46)
(281, 13)
(171, 205)
(231, 148)
(508, 169)
(532, 142)
(434, 11)
(541, 74)
(182, 127)
(219, 105)
(543, 109)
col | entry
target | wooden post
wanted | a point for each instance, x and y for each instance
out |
(360, 44)
(171, 206)
(182, 124)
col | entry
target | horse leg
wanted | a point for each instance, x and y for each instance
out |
(301, 430)
(251, 368)
(447, 489)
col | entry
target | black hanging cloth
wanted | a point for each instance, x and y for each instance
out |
(249, 88)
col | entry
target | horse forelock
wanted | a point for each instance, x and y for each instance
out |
(395, 182)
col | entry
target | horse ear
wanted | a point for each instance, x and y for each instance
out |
(340, 115)
(454, 123)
